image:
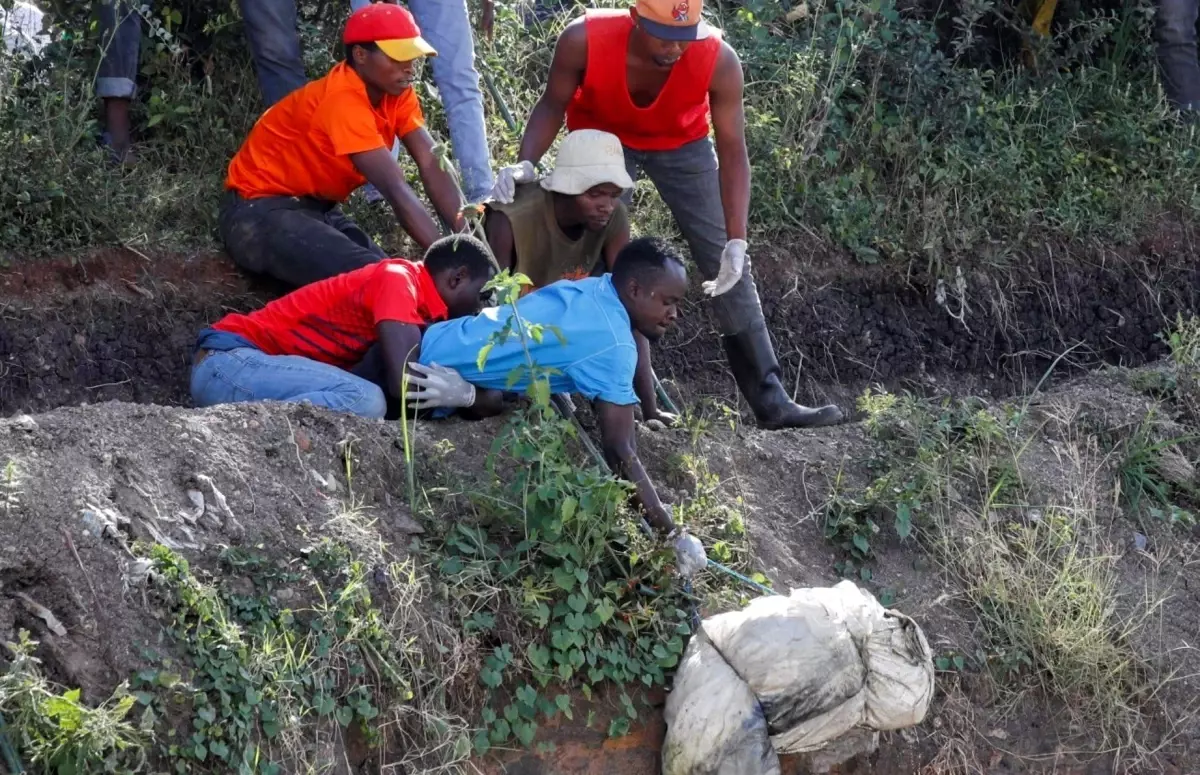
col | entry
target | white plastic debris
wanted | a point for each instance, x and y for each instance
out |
(196, 498)
(23, 28)
(223, 515)
(42, 612)
(794, 674)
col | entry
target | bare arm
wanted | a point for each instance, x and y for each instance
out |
(620, 450)
(440, 185)
(643, 381)
(498, 229)
(401, 343)
(566, 75)
(729, 124)
(382, 171)
(617, 240)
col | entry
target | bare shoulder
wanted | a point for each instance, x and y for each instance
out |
(727, 75)
(572, 43)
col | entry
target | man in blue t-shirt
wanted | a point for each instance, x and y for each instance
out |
(588, 342)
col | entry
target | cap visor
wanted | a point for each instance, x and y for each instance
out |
(406, 49)
(698, 31)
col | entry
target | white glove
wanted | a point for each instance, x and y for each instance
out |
(438, 386)
(733, 261)
(689, 553)
(505, 189)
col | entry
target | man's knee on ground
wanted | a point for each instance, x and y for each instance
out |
(371, 403)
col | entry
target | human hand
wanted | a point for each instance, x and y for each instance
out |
(733, 261)
(438, 386)
(505, 189)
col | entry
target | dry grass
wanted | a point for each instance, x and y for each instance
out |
(1053, 609)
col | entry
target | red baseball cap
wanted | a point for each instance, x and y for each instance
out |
(392, 28)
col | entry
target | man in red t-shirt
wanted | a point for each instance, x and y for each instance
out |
(656, 76)
(310, 150)
(302, 346)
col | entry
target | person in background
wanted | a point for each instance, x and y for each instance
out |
(678, 74)
(275, 48)
(1175, 36)
(595, 356)
(304, 156)
(570, 224)
(303, 346)
(274, 45)
(447, 26)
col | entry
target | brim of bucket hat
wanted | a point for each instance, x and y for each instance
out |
(573, 181)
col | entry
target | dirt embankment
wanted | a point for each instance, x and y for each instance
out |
(118, 326)
(281, 471)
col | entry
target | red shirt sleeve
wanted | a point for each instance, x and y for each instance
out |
(395, 295)
(347, 120)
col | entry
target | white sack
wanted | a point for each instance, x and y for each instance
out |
(899, 674)
(796, 654)
(714, 724)
(820, 663)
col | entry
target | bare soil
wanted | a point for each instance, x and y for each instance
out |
(78, 338)
(281, 471)
(119, 326)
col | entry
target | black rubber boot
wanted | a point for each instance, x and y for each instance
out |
(752, 360)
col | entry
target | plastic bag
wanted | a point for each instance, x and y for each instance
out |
(793, 674)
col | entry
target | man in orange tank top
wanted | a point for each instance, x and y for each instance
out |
(656, 77)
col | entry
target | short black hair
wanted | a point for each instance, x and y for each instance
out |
(644, 259)
(459, 250)
(350, 49)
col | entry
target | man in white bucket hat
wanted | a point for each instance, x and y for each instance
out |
(569, 225)
(561, 226)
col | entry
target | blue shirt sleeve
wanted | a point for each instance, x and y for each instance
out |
(607, 375)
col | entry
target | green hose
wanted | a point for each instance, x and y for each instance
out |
(11, 761)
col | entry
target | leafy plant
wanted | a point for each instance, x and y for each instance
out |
(595, 599)
(56, 731)
(254, 672)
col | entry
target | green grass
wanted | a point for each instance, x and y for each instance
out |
(896, 138)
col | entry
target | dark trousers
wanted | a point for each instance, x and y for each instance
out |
(689, 182)
(298, 240)
(1175, 36)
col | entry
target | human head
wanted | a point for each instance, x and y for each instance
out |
(460, 266)
(651, 280)
(590, 169)
(665, 28)
(383, 45)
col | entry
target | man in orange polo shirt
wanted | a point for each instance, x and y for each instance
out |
(656, 76)
(306, 345)
(308, 152)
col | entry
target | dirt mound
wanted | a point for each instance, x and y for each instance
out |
(223, 486)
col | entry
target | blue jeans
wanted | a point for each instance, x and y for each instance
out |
(270, 30)
(120, 42)
(247, 374)
(447, 27)
(1175, 36)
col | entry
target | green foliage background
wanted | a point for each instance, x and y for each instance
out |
(901, 131)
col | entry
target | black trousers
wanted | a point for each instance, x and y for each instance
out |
(297, 240)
